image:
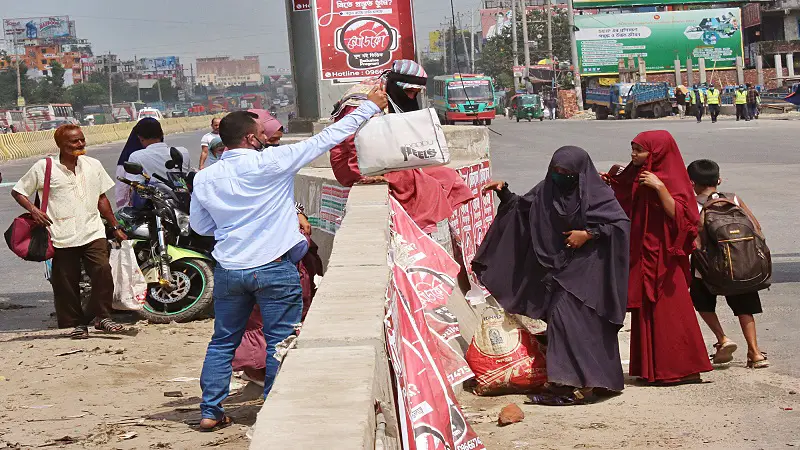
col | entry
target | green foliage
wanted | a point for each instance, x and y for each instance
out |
(84, 94)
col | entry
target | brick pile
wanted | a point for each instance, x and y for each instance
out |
(722, 77)
(567, 104)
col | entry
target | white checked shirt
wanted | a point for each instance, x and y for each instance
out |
(73, 199)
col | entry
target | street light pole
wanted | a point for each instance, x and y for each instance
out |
(574, 47)
(110, 91)
(549, 11)
(525, 38)
(515, 44)
(19, 78)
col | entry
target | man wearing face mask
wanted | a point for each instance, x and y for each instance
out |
(246, 201)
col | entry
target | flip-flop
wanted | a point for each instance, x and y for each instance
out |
(225, 422)
(762, 364)
(724, 352)
(79, 333)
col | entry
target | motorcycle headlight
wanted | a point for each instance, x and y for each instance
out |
(183, 223)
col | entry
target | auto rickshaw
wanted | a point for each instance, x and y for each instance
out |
(527, 106)
(499, 103)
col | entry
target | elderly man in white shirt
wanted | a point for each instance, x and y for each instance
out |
(76, 202)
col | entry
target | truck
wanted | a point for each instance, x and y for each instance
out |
(630, 100)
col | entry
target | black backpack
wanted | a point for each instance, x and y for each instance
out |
(732, 256)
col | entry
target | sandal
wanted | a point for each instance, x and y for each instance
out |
(109, 326)
(760, 364)
(724, 352)
(79, 333)
(577, 397)
(225, 422)
(691, 379)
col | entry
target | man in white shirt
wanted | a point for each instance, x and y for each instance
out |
(155, 154)
(246, 201)
(205, 142)
(76, 202)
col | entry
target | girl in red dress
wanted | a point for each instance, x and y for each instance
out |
(655, 191)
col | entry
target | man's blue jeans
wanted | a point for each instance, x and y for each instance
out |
(276, 288)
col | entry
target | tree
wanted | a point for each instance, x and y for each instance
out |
(84, 94)
(168, 92)
(50, 89)
(122, 90)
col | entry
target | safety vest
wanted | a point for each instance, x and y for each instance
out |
(741, 97)
(697, 97)
(713, 96)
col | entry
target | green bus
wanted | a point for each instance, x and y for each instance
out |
(464, 98)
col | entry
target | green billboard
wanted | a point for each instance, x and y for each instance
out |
(594, 4)
(660, 38)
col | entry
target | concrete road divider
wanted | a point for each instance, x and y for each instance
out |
(25, 145)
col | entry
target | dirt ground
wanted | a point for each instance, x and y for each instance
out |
(735, 408)
(108, 391)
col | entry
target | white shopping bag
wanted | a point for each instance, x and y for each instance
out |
(130, 287)
(401, 141)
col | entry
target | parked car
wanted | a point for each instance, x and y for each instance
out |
(53, 124)
(149, 112)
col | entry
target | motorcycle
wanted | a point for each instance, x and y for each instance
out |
(175, 261)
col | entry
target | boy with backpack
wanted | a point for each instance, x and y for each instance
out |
(732, 259)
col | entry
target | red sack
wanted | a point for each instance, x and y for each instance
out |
(506, 358)
(24, 237)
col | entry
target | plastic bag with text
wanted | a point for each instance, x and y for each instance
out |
(505, 357)
(130, 287)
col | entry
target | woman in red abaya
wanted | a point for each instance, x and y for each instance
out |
(654, 190)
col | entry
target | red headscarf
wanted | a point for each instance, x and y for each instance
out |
(659, 244)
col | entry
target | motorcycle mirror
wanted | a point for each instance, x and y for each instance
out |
(169, 164)
(177, 158)
(133, 168)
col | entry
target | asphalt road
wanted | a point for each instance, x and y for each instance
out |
(759, 160)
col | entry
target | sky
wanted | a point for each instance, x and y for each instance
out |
(193, 29)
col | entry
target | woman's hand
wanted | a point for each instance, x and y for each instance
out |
(494, 186)
(606, 178)
(577, 238)
(305, 225)
(650, 180)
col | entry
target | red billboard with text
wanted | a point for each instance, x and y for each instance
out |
(359, 39)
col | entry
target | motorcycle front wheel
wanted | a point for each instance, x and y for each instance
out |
(191, 299)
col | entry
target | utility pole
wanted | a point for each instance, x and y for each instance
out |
(472, 39)
(158, 83)
(191, 76)
(464, 41)
(549, 11)
(443, 37)
(574, 47)
(515, 44)
(453, 53)
(110, 92)
(20, 99)
(525, 38)
(138, 87)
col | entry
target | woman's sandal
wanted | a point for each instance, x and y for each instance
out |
(109, 326)
(724, 352)
(225, 422)
(79, 333)
(760, 364)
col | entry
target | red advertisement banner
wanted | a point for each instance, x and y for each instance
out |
(430, 417)
(359, 39)
(472, 220)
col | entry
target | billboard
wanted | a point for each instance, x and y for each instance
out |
(359, 39)
(660, 38)
(593, 4)
(435, 41)
(494, 21)
(163, 64)
(54, 27)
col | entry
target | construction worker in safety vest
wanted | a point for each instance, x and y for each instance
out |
(712, 97)
(698, 100)
(741, 104)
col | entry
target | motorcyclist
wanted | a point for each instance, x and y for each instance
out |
(153, 157)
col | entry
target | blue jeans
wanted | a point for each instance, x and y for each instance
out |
(276, 289)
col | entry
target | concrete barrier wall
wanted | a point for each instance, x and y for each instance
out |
(25, 145)
(335, 387)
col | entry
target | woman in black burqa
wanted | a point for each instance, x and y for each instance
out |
(560, 254)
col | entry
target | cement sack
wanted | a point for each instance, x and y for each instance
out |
(505, 357)
(393, 142)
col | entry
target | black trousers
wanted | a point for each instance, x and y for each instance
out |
(714, 110)
(699, 111)
(66, 277)
(741, 112)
